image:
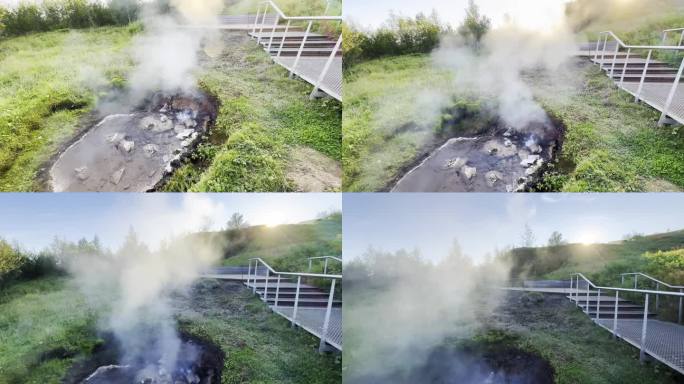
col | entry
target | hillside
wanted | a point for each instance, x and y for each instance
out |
(604, 259)
(285, 246)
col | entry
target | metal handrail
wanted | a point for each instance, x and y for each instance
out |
(281, 15)
(667, 31)
(650, 278)
(253, 277)
(575, 295)
(650, 48)
(325, 264)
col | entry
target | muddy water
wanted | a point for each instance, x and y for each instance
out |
(132, 152)
(505, 160)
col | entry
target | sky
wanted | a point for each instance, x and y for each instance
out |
(34, 220)
(482, 223)
(531, 13)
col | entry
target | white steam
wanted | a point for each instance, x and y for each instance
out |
(497, 68)
(405, 307)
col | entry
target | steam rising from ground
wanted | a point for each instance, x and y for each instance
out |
(167, 53)
(134, 285)
(496, 68)
(399, 307)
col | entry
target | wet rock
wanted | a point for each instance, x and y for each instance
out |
(82, 173)
(508, 143)
(186, 143)
(469, 172)
(535, 148)
(150, 150)
(126, 145)
(530, 160)
(495, 148)
(164, 109)
(163, 118)
(156, 125)
(532, 170)
(185, 134)
(178, 128)
(492, 177)
(115, 137)
(455, 163)
(116, 176)
(509, 132)
(190, 123)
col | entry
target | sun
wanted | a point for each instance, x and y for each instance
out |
(588, 238)
(274, 219)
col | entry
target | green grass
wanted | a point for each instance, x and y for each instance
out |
(46, 87)
(262, 118)
(260, 346)
(380, 99)
(46, 325)
(38, 317)
(611, 143)
(577, 349)
(288, 246)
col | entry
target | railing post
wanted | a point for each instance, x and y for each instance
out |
(256, 269)
(681, 39)
(572, 284)
(615, 315)
(598, 304)
(263, 21)
(326, 322)
(256, 19)
(249, 272)
(603, 54)
(657, 297)
(612, 67)
(680, 306)
(270, 41)
(277, 292)
(325, 267)
(310, 260)
(268, 274)
(641, 86)
(296, 304)
(301, 48)
(635, 281)
(642, 344)
(622, 80)
(282, 41)
(664, 42)
(622, 279)
(673, 90)
(588, 309)
(327, 67)
(598, 45)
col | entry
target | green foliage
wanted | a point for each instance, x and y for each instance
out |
(400, 36)
(666, 265)
(474, 26)
(50, 15)
(43, 94)
(11, 262)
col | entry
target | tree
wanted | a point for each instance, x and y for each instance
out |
(556, 239)
(528, 238)
(237, 222)
(474, 26)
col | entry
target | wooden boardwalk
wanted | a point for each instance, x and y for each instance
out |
(658, 81)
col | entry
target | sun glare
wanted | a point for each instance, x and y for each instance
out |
(274, 219)
(588, 238)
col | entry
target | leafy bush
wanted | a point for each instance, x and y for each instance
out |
(400, 36)
(58, 14)
(666, 265)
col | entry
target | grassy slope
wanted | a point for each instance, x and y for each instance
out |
(37, 317)
(263, 115)
(319, 238)
(611, 259)
(43, 93)
(380, 99)
(613, 143)
(578, 350)
(45, 315)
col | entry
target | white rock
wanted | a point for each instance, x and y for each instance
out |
(179, 128)
(530, 160)
(469, 172)
(163, 118)
(82, 173)
(532, 170)
(509, 188)
(508, 142)
(115, 137)
(535, 148)
(116, 176)
(492, 177)
(190, 123)
(184, 134)
(126, 145)
(455, 163)
(150, 149)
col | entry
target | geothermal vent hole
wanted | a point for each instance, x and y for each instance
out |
(198, 362)
(491, 364)
(486, 155)
(135, 151)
